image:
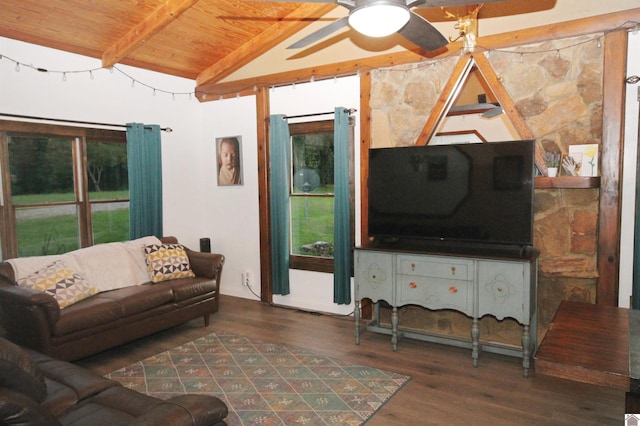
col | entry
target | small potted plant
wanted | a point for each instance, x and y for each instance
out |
(552, 159)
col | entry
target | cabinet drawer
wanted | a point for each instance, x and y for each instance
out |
(435, 267)
(436, 293)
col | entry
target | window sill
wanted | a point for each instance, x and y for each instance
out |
(311, 263)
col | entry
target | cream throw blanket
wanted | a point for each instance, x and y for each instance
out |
(106, 266)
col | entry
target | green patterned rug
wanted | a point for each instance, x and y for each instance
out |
(265, 383)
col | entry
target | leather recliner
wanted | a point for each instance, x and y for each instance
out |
(36, 389)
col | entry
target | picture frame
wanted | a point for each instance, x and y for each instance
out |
(229, 161)
(581, 160)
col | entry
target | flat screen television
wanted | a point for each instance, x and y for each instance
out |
(462, 193)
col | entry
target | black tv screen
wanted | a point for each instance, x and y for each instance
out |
(477, 192)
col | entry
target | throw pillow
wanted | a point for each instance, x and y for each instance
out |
(19, 372)
(167, 262)
(62, 282)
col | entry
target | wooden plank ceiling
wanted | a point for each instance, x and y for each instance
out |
(203, 40)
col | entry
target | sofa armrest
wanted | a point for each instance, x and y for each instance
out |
(206, 264)
(28, 315)
(185, 410)
(203, 264)
(19, 409)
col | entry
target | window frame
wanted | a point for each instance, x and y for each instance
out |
(316, 263)
(79, 136)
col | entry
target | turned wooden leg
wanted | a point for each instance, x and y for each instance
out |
(356, 314)
(475, 337)
(394, 329)
(526, 350)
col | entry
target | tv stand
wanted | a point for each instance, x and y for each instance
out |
(502, 285)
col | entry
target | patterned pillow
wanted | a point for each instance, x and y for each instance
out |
(57, 279)
(167, 262)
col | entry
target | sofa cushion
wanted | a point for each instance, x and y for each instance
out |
(92, 312)
(68, 384)
(139, 298)
(61, 281)
(167, 262)
(19, 372)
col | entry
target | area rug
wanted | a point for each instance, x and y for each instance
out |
(265, 383)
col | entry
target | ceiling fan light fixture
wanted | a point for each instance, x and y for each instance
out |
(379, 18)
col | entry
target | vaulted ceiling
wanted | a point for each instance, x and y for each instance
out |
(206, 40)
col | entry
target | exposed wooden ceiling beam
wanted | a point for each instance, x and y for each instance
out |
(272, 36)
(574, 28)
(138, 35)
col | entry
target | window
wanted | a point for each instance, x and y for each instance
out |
(62, 188)
(311, 196)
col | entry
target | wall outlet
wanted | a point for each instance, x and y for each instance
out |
(246, 279)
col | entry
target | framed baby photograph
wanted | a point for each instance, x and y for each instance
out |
(229, 160)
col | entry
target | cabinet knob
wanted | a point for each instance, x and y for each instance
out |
(453, 270)
(453, 289)
(413, 285)
(499, 289)
(413, 266)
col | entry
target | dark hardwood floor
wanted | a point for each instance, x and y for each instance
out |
(445, 388)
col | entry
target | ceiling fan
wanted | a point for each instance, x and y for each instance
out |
(380, 18)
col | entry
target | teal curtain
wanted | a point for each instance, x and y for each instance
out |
(145, 180)
(279, 192)
(342, 254)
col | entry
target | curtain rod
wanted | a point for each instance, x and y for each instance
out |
(121, 126)
(350, 110)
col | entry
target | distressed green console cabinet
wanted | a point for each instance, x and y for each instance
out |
(503, 286)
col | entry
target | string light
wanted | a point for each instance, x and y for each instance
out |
(434, 63)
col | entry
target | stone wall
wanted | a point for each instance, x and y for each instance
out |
(557, 88)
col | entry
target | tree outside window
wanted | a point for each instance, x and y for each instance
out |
(63, 188)
(311, 196)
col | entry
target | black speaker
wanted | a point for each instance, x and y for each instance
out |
(205, 245)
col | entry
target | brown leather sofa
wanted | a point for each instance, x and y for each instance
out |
(33, 319)
(38, 390)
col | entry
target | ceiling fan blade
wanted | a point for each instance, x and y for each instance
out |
(421, 33)
(320, 34)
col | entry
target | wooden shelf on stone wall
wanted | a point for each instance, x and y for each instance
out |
(567, 182)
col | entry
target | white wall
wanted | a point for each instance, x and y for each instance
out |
(629, 173)
(314, 290)
(231, 216)
(194, 205)
(110, 98)
(231, 212)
